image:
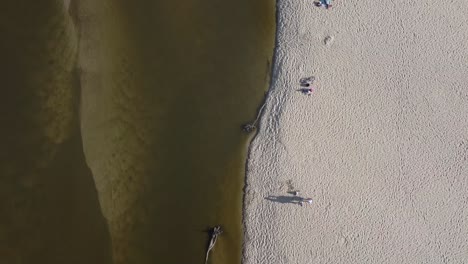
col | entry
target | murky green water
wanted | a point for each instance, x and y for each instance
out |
(165, 87)
(49, 211)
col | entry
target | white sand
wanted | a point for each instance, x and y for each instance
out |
(381, 145)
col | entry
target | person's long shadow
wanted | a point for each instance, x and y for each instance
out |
(285, 199)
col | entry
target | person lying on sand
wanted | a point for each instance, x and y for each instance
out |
(307, 81)
(326, 3)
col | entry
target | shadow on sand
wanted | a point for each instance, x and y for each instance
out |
(285, 199)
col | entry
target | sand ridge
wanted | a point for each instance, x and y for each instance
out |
(381, 145)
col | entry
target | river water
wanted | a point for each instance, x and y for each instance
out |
(164, 87)
(49, 210)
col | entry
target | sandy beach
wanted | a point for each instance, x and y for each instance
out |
(381, 145)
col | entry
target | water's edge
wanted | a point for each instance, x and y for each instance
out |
(260, 116)
(188, 100)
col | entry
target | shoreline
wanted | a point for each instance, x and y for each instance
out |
(156, 125)
(380, 146)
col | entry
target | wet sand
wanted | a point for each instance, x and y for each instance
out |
(381, 146)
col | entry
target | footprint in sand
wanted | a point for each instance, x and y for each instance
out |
(290, 185)
(328, 40)
(343, 241)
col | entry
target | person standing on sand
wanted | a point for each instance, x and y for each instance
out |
(306, 200)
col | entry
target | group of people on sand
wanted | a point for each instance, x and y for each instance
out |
(306, 84)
